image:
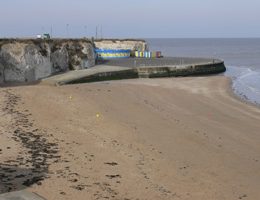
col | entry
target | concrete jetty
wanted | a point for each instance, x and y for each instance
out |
(97, 73)
(140, 68)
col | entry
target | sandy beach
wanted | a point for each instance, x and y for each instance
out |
(174, 138)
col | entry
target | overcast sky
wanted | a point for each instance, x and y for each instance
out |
(131, 18)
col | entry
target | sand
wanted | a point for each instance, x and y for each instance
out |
(173, 138)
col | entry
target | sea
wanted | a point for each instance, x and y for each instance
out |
(241, 57)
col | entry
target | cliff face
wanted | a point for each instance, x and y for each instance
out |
(31, 60)
(138, 45)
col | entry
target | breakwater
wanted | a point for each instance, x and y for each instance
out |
(170, 66)
(140, 68)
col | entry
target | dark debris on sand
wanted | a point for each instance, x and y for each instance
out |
(31, 165)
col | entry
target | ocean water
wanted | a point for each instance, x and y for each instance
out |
(241, 57)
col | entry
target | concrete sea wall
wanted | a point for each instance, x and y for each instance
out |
(106, 74)
(170, 66)
(140, 68)
(183, 70)
(27, 60)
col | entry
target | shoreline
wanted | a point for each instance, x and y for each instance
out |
(136, 138)
(237, 96)
(239, 92)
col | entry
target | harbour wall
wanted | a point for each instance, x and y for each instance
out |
(181, 70)
(170, 66)
(155, 69)
(145, 68)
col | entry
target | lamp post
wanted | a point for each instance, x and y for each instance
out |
(96, 32)
(101, 32)
(67, 30)
(85, 27)
(51, 32)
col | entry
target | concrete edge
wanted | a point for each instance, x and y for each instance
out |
(106, 73)
(21, 195)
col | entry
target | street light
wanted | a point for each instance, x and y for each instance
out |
(96, 32)
(101, 31)
(85, 28)
(67, 30)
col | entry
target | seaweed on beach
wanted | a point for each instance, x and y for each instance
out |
(32, 164)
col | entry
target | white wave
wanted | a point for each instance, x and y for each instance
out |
(246, 83)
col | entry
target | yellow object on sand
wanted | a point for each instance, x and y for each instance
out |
(97, 115)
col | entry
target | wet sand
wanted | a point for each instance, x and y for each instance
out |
(174, 138)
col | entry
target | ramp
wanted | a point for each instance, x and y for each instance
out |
(20, 195)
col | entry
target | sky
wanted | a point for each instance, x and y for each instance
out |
(131, 19)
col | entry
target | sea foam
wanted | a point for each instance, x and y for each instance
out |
(246, 83)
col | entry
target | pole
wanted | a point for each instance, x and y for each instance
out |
(85, 30)
(67, 30)
(51, 31)
(96, 32)
(101, 30)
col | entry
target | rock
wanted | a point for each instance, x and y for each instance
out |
(134, 45)
(1, 73)
(60, 60)
(33, 59)
(38, 63)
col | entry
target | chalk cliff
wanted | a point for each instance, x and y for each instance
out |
(132, 44)
(30, 59)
